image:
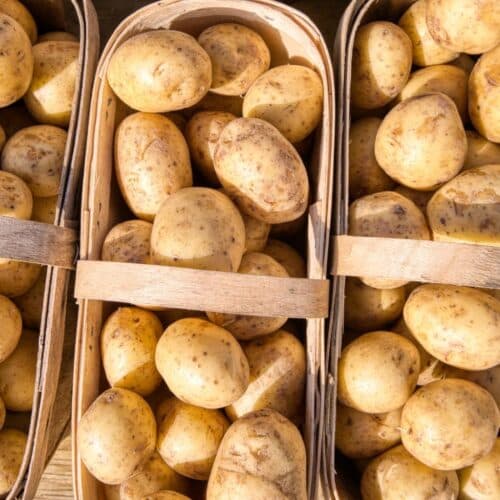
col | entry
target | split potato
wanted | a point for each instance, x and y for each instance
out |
(16, 199)
(128, 241)
(12, 446)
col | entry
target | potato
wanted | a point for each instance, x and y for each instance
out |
(16, 64)
(198, 228)
(388, 215)
(30, 304)
(466, 208)
(396, 474)
(481, 481)
(21, 14)
(256, 233)
(12, 446)
(365, 174)
(152, 475)
(270, 460)
(245, 327)
(426, 51)
(116, 435)
(128, 343)
(464, 25)
(480, 151)
(44, 209)
(18, 373)
(215, 102)
(377, 372)
(290, 97)
(274, 187)
(189, 437)
(128, 241)
(421, 142)
(364, 435)
(420, 198)
(288, 257)
(465, 62)
(381, 64)
(238, 54)
(36, 154)
(457, 325)
(202, 363)
(368, 308)
(487, 379)
(449, 424)
(111, 491)
(17, 277)
(484, 94)
(57, 36)
(166, 495)
(16, 199)
(160, 71)
(151, 162)
(2, 413)
(277, 377)
(202, 133)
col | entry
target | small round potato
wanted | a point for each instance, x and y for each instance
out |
(288, 257)
(30, 304)
(21, 14)
(151, 162)
(17, 277)
(116, 435)
(128, 241)
(378, 372)
(36, 155)
(44, 209)
(189, 437)
(202, 363)
(202, 133)
(245, 327)
(466, 208)
(464, 25)
(238, 54)
(16, 199)
(457, 325)
(450, 424)
(420, 198)
(57, 36)
(262, 171)
(128, 343)
(160, 71)
(12, 446)
(421, 142)
(18, 372)
(16, 63)
(290, 97)
(484, 94)
(199, 228)
(381, 64)
(396, 475)
(480, 151)
(426, 51)
(12, 325)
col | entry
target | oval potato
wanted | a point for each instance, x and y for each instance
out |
(480, 151)
(16, 199)
(128, 241)
(288, 257)
(12, 446)
(17, 277)
(30, 304)
(21, 14)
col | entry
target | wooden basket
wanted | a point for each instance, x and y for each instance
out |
(291, 37)
(55, 245)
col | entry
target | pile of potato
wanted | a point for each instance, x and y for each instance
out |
(421, 364)
(37, 83)
(206, 159)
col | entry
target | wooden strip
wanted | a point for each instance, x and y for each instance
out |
(37, 242)
(417, 260)
(176, 287)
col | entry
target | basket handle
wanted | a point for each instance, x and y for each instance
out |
(417, 260)
(177, 287)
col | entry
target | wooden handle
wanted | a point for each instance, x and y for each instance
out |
(417, 260)
(37, 242)
(177, 287)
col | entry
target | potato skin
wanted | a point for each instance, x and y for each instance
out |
(45, 209)
(166, 495)
(288, 257)
(16, 199)
(21, 14)
(487, 379)
(275, 187)
(160, 71)
(151, 162)
(480, 151)
(30, 304)
(449, 424)
(11, 321)
(122, 424)
(12, 446)
(279, 472)
(420, 198)
(17, 277)
(128, 241)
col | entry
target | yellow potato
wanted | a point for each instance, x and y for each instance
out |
(420, 198)
(464, 25)
(270, 461)
(16, 65)
(128, 241)
(2, 413)
(290, 97)
(12, 446)
(189, 437)
(16, 199)
(288, 257)
(21, 14)
(36, 155)
(480, 151)
(466, 208)
(245, 327)
(116, 435)
(160, 71)
(166, 495)
(426, 51)
(18, 373)
(17, 277)
(378, 372)
(30, 304)
(57, 36)
(272, 187)
(421, 142)
(202, 363)
(465, 62)
(381, 64)
(44, 209)
(487, 379)
(238, 54)
(256, 233)
(449, 424)
(277, 377)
